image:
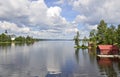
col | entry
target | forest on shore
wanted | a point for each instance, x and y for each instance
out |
(105, 34)
(5, 38)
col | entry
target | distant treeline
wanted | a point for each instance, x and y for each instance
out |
(55, 39)
(4, 38)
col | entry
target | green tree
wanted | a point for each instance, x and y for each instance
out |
(20, 39)
(84, 41)
(93, 38)
(111, 35)
(76, 38)
(105, 34)
(29, 39)
(118, 35)
(92, 35)
(101, 33)
(4, 38)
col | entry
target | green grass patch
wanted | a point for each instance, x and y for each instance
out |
(81, 47)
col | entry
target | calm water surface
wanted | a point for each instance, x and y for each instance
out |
(54, 59)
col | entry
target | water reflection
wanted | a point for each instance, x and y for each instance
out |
(77, 54)
(118, 65)
(107, 66)
(54, 75)
(29, 43)
(19, 44)
(5, 44)
(53, 64)
(13, 60)
(92, 54)
(54, 59)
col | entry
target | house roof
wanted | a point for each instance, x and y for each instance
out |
(108, 47)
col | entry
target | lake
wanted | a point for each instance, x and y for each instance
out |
(54, 59)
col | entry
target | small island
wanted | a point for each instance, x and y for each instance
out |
(6, 38)
(77, 41)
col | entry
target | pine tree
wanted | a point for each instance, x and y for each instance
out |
(101, 33)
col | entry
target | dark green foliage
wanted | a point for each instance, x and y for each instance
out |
(92, 35)
(101, 33)
(76, 38)
(118, 35)
(84, 41)
(111, 35)
(29, 39)
(81, 47)
(105, 34)
(4, 38)
(20, 39)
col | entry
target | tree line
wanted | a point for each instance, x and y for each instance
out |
(4, 38)
(77, 41)
(105, 34)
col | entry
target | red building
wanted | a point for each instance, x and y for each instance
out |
(107, 49)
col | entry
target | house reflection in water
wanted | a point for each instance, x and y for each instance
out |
(106, 67)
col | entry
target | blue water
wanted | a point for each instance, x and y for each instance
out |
(54, 59)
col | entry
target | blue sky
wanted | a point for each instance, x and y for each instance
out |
(67, 10)
(56, 18)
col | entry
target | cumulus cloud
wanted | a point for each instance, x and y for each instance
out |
(13, 27)
(33, 17)
(90, 12)
(53, 11)
(95, 10)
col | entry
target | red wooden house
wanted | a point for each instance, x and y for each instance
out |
(107, 49)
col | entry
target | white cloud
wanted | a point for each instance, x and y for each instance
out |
(90, 12)
(95, 10)
(54, 11)
(13, 27)
(37, 10)
(71, 30)
(91, 27)
(80, 19)
(34, 18)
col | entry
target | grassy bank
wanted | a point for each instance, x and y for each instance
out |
(81, 47)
